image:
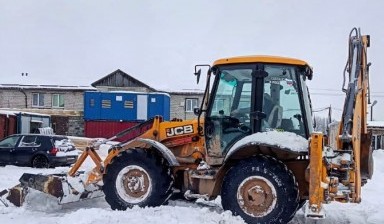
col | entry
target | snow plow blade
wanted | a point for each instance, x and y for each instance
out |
(65, 189)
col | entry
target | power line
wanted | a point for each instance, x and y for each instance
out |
(341, 94)
(320, 109)
(336, 90)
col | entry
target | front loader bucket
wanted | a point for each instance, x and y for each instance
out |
(65, 188)
(49, 184)
(16, 195)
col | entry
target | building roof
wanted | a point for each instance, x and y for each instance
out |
(16, 112)
(126, 81)
(185, 91)
(376, 124)
(46, 87)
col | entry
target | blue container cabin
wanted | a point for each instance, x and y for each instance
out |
(125, 106)
(159, 104)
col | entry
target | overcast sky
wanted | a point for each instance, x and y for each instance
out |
(159, 42)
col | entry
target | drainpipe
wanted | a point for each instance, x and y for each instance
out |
(25, 96)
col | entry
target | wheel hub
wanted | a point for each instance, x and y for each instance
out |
(256, 196)
(133, 184)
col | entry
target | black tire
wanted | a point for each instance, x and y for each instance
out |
(147, 172)
(302, 202)
(40, 161)
(266, 188)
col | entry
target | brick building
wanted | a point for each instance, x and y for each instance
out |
(63, 103)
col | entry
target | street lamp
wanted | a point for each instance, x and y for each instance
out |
(373, 104)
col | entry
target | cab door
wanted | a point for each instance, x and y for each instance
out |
(230, 116)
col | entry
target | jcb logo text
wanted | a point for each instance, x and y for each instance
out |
(187, 129)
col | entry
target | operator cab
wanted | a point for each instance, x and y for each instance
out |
(256, 94)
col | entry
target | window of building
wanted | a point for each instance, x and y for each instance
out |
(218, 105)
(57, 100)
(190, 104)
(37, 99)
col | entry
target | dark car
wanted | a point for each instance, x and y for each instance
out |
(37, 150)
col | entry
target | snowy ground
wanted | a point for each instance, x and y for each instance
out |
(40, 209)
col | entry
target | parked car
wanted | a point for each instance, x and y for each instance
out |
(37, 150)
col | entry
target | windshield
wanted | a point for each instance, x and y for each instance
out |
(283, 89)
(249, 98)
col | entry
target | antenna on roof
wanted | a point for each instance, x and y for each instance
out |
(26, 74)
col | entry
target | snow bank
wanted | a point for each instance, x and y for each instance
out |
(162, 214)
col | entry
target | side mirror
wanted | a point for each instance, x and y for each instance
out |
(196, 111)
(309, 73)
(197, 74)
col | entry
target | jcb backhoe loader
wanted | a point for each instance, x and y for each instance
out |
(252, 144)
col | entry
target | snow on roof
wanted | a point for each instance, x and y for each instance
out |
(194, 91)
(15, 112)
(6, 112)
(375, 123)
(134, 92)
(160, 93)
(123, 91)
(287, 140)
(18, 86)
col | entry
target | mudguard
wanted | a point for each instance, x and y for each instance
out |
(167, 153)
(282, 145)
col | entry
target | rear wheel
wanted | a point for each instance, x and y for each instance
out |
(40, 161)
(261, 190)
(137, 177)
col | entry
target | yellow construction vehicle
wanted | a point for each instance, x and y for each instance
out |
(252, 144)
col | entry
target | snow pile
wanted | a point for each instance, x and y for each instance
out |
(64, 145)
(287, 140)
(68, 153)
(66, 148)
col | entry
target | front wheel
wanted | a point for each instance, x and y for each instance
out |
(137, 177)
(261, 190)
